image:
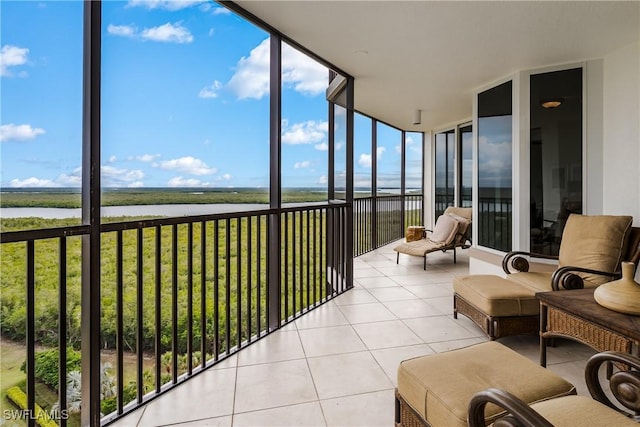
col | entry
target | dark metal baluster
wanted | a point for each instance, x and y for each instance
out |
(228, 285)
(259, 276)
(62, 332)
(307, 261)
(294, 272)
(249, 275)
(239, 280)
(158, 308)
(31, 332)
(174, 303)
(139, 312)
(285, 270)
(203, 294)
(216, 290)
(190, 298)
(120, 320)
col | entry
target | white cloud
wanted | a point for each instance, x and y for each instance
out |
(365, 160)
(302, 165)
(11, 56)
(178, 181)
(112, 159)
(172, 5)
(32, 182)
(304, 74)
(225, 177)
(322, 179)
(136, 184)
(323, 146)
(170, 33)
(122, 30)
(118, 177)
(189, 165)
(147, 158)
(221, 11)
(13, 132)
(251, 79)
(308, 132)
(210, 91)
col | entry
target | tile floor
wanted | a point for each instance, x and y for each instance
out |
(336, 366)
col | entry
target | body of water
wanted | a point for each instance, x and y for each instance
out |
(135, 210)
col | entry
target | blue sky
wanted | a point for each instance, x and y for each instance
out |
(185, 100)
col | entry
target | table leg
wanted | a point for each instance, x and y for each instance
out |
(543, 341)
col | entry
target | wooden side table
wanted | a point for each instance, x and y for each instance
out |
(575, 314)
(414, 232)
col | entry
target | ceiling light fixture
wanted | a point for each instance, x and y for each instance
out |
(551, 103)
(417, 117)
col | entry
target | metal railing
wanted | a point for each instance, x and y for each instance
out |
(382, 219)
(495, 222)
(178, 295)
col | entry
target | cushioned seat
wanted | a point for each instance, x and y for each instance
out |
(591, 251)
(580, 411)
(439, 387)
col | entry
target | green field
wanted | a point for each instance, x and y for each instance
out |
(65, 198)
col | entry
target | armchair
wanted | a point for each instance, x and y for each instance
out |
(599, 410)
(591, 253)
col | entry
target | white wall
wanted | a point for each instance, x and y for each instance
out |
(621, 132)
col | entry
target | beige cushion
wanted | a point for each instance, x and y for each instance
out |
(440, 386)
(463, 212)
(595, 242)
(580, 411)
(445, 230)
(463, 224)
(496, 296)
(418, 247)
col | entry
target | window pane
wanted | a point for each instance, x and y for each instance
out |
(362, 158)
(494, 167)
(185, 106)
(444, 172)
(41, 113)
(413, 163)
(466, 148)
(305, 127)
(340, 151)
(389, 160)
(556, 156)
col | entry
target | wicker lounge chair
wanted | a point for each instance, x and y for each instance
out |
(452, 230)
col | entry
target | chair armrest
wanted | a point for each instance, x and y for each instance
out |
(624, 384)
(516, 260)
(519, 414)
(565, 277)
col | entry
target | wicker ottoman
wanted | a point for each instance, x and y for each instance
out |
(498, 306)
(435, 390)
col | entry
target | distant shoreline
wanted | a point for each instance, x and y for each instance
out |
(172, 210)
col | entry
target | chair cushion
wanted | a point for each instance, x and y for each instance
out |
(463, 212)
(463, 226)
(445, 230)
(418, 247)
(595, 242)
(580, 411)
(440, 386)
(496, 296)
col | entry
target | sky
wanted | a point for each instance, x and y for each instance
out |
(185, 102)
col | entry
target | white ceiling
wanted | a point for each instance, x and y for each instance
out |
(431, 55)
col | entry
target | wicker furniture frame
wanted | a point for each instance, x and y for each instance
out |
(496, 327)
(576, 315)
(406, 416)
